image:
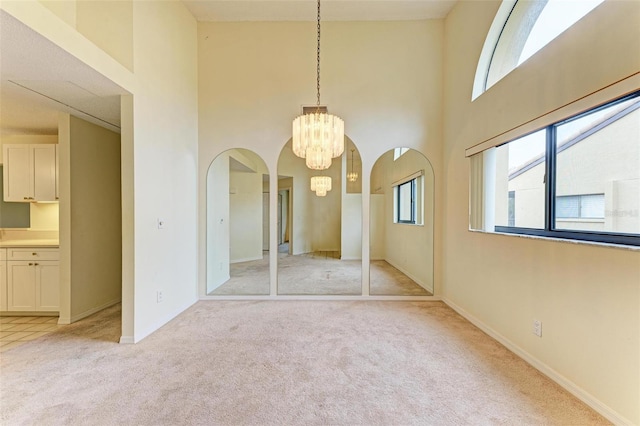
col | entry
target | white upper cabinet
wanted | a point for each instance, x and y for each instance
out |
(29, 172)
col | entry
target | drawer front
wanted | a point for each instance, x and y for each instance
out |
(3, 254)
(25, 253)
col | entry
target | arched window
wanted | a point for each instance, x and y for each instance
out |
(519, 30)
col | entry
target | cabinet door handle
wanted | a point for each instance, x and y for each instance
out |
(34, 254)
(35, 264)
(30, 264)
(25, 198)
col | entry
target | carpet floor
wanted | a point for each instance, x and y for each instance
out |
(317, 274)
(282, 363)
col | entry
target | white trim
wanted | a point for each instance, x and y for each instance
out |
(245, 259)
(601, 96)
(559, 240)
(408, 178)
(484, 62)
(328, 298)
(93, 310)
(567, 384)
(126, 340)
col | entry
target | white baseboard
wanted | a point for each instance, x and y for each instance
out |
(567, 384)
(328, 298)
(246, 259)
(126, 340)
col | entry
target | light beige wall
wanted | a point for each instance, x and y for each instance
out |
(165, 158)
(301, 234)
(217, 227)
(325, 212)
(95, 218)
(64, 9)
(245, 207)
(586, 296)
(255, 76)
(107, 24)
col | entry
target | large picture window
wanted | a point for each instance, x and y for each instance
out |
(578, 178)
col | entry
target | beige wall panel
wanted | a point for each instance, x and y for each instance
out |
(64, 9)
(108, 24)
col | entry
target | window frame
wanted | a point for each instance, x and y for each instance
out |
(413, 203)
(550, 229)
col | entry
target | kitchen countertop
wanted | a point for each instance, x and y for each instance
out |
(30, 243)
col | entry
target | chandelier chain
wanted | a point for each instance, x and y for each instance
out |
(318, 60)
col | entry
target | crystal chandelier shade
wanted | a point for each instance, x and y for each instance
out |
(318, 136)
(321, 185)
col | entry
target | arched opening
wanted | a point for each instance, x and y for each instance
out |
(237, 224)
(401, 224)
(322, 234)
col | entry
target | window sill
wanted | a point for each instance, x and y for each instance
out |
(560, 240)
(579, 220)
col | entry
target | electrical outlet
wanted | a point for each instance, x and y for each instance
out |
(537, 327)
(159, 296)
(161, 223)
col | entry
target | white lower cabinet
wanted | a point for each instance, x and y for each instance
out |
(34, 284)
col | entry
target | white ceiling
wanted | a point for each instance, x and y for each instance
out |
(38, 79)
(305, 10)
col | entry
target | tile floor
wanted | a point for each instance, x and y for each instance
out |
(15, 331)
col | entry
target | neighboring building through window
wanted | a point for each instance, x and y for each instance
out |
(578, 178)
(512, 208)
(580, 206)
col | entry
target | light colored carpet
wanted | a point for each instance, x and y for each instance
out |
(282, 363)
(317, 274)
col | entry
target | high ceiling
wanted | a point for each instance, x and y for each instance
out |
(38, 79)
(305, 10)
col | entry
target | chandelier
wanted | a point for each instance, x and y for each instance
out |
(321, 185)
(352, 176)
(318, 136)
